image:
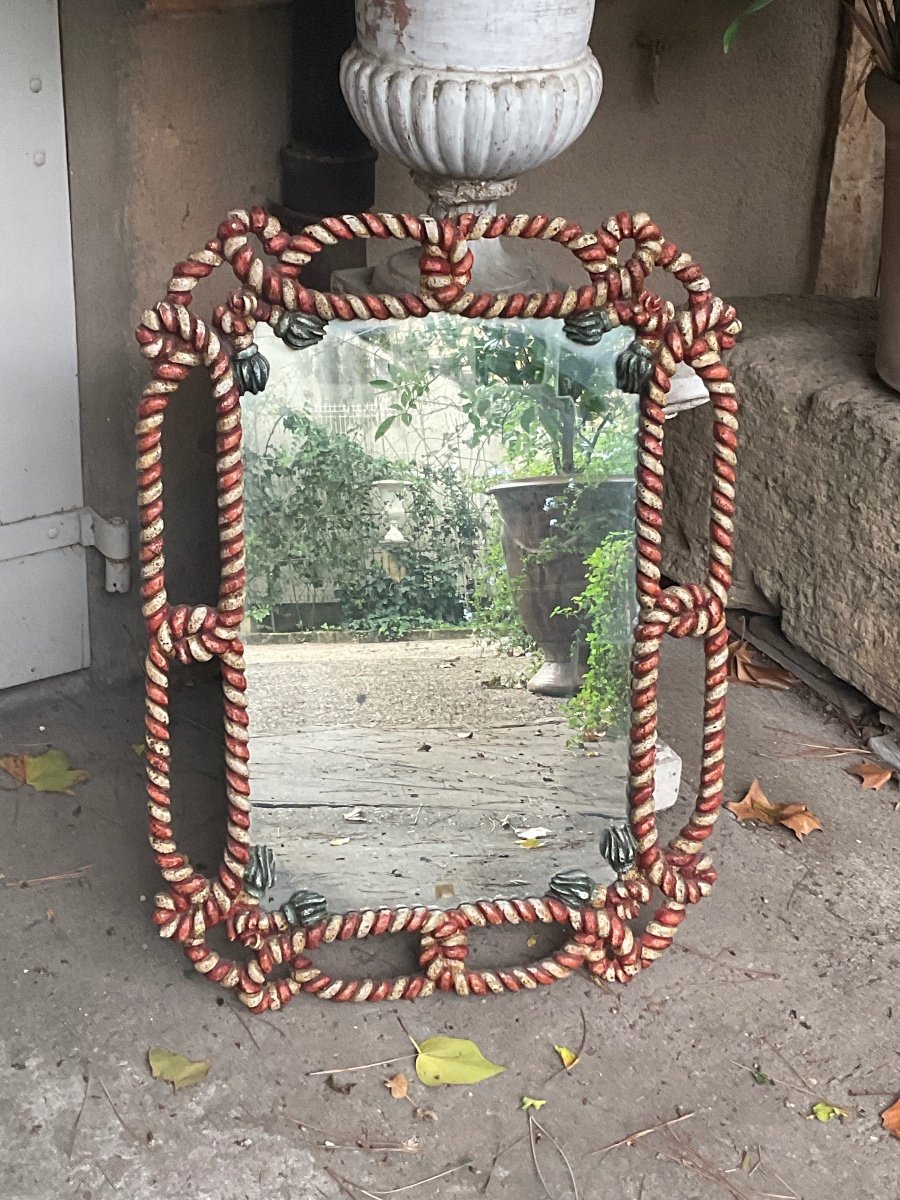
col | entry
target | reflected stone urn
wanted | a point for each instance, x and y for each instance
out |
(469, 96)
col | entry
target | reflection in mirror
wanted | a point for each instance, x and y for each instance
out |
(440, 553)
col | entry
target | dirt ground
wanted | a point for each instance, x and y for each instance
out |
(791, 965)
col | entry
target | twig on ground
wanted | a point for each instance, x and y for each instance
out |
(559, 1151)
(87, 1088)
(361, 1067)
(119, 1116)
(642, 1133)
(796, 887)
(497, 1157)
(865, 1092)
(361, 1143)
(564, 1070)
(250, 1032)
(795, 1086)
(24, 883)
(377, 1195)
(746, 971)
(534, 1157)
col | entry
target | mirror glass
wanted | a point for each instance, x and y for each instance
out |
(422, 497)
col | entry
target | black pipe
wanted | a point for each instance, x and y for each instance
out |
(329, 167)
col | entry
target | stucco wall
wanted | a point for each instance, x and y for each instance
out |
(170, 123)
(726, 155)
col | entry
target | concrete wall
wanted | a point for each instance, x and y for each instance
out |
(171, 122)
(726, 153)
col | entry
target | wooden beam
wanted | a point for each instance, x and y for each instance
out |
(851, 242)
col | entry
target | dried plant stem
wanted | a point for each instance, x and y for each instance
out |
(87, 1088)
(796, 1086)
(642, 1133)
(377, 1195)
(559, 1150)
(119, 1116)
(362, 1066)
(24, 883)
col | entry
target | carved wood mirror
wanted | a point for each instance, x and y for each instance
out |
(293, 373)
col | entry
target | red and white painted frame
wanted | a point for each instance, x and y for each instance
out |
(600, 935)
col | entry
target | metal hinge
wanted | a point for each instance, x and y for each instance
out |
(111, 538)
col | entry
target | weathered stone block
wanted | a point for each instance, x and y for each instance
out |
(818, 524)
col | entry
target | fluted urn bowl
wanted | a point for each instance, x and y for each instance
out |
(471, 90)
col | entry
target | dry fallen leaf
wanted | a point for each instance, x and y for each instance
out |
(48, 772)
(874, 775)
(537, 831)
(827, 1112)
(338, 841)
(175, 1068)
(398, 1086)
(568, 1057)
(743, 667)
(355, 814)
(755, 806)
(890, 1119)
(801, 823)
(449, 1060)
(442, 889)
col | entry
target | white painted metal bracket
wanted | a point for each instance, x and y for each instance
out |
(110, 538)
(77, 527)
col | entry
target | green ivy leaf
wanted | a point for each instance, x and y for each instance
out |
(760, 1076)
(448, 1060)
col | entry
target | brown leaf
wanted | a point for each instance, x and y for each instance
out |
(800, 824)
(14, 765)
(743, 667)
(874, 775)
(890, 1119)
(398, 1086)
(755, 806)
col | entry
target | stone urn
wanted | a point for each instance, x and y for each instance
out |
(546, 582)
(469, 95)
(883, 96)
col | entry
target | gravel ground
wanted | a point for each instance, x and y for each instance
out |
(389, 685)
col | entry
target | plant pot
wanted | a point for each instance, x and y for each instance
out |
(883, 96)
(549, 582)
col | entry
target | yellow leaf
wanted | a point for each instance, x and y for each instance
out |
(338, 841)
(530, 843)
(50, 772)
(446, 1060)
(827, 1112)
(532, 942)
(398, 1086)
(569, 1057)
(530, 1102)
(890, 1119)
(175, 1068)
